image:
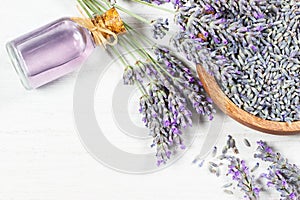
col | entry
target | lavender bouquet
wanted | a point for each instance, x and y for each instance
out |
(167, 84)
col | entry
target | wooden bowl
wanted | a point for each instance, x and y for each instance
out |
(238, 114)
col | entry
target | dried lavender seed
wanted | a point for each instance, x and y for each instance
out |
(227, 185)
(228, 192)
(212, 164)
(255, 167)
(218, 172)
(201, 163)
(212, 170)
(247, 143)
(214, 152)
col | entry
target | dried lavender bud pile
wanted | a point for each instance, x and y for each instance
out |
(252, 47)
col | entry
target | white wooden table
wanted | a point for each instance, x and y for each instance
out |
(41, 156)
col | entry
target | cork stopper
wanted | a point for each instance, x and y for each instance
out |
(111, 20)
(103, 27)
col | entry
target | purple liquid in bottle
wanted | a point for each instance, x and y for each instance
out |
(50, 52)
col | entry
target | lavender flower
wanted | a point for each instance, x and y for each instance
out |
(158, 2)
(159, 132)
(237, 169)
(172, 85)
(245, 181)
(165, 119)
(282, 175)
(160, 28)
(277, 181)
(129, 75)
(186, 81)
(176, 3)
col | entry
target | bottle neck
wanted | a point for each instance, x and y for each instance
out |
(104, 28)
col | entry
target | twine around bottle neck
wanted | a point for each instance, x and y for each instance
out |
(104, 28)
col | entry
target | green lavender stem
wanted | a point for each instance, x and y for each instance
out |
(83, 6)
(142, 19)
(101, 6)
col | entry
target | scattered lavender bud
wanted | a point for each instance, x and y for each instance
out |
(201, 163)
(231, 142)
(218, 171)
(214, 152)
(212, 169)
(228, 192)
(195, 161)
(247, 143)
(255, 167)
(225, 149)
(227, 185)
(213, 164)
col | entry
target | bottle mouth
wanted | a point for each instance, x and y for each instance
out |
(16, 60)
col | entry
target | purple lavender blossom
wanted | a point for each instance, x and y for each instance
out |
(129, 76)
(240, 173)
(186, 81)
(176, 3)
(282, 175)
(160, 27)
(164, 104)
(276, 180)
(161, 113)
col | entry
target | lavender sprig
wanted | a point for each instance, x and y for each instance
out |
(276, 180)
(239, 171)
(282, 175)
(129, 76)
(164, 105)
(241, 174)
(186, 81)
(164, 102)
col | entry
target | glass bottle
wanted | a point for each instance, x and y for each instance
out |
(55, 49)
